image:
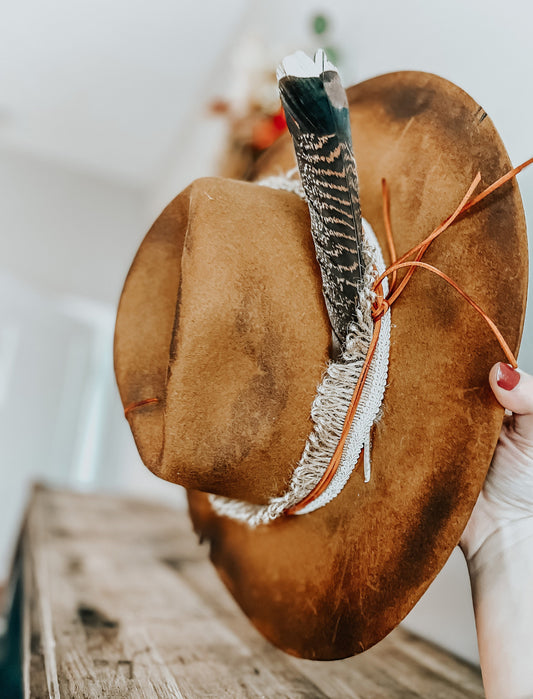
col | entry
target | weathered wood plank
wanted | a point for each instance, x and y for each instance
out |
(123, 603)
(83, 587)
(386, 670)
(427, 655)
(34, 671)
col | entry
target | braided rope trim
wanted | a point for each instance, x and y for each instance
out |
(332, 400)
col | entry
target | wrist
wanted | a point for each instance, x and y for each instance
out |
(500, 573)
(500, 548)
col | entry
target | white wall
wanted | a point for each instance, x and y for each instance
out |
(65, 231)
(66, 242)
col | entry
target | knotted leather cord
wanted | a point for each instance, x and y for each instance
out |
(382, 305)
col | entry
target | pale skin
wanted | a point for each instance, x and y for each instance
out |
(498, 546)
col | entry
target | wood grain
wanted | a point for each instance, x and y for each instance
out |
(120, 601)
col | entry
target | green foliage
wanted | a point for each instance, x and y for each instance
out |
(320, 24)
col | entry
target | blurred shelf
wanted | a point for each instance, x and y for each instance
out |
(113, 597)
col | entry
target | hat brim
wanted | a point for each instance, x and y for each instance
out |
(332, 583)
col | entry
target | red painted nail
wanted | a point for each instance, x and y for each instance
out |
(507, 378)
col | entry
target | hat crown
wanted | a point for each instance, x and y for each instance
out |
(248, 334)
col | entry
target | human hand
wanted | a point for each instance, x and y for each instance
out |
(506, 501)
(498, 546)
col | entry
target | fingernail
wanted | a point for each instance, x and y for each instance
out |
(507, 378)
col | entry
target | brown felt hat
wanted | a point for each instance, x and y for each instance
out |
(223, 321)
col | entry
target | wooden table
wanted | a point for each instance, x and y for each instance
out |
(115, 598)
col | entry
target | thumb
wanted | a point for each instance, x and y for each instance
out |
(514, 390)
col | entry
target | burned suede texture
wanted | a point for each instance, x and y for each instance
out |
(243, 348)
(332, 583)
(239, 341)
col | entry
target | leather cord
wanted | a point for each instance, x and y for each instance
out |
(382, 305)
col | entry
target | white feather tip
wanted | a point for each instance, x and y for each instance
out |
(300, 65)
